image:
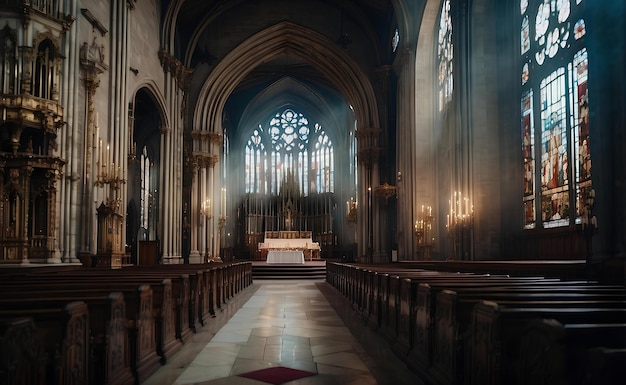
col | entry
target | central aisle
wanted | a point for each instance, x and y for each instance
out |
(286, 324)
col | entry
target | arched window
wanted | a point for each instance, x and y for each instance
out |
(445, 55)
(146, 196)
(8, 55)
(395, 40)
(554, 111)
(323, 159)
(255, 155)
(44, 74)
(284, 147)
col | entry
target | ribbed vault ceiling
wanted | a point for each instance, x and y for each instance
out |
(207, 31)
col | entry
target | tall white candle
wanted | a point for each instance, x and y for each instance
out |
(223, 201)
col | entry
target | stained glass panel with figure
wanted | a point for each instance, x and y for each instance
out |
(553, 65)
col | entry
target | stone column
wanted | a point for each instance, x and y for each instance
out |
(367, 157)
(194, 254)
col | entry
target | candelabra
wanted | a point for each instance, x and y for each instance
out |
(107, 174)
(423, 232)
(351, 209)
(589, 220)
(459, 225)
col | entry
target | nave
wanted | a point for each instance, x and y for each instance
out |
(303, 325)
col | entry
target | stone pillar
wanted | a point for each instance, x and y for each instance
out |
(194, 254)
(367, 157)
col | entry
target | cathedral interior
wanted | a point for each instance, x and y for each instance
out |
(172, 133)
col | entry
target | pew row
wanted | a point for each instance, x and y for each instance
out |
(154, 309)
(427, 316)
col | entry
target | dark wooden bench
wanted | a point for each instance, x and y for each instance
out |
(109, 349)
(140, 320)
(495, 336)
(404, 306)
(577, 353)
(22, 358)
(62, 339)
(163, 308)
(178, 294)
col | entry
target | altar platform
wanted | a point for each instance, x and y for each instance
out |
(309, 270)
(285, 256)
(286, 247)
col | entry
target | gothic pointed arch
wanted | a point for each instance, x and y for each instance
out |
(279, 40)
(282, 93)
(147, 120)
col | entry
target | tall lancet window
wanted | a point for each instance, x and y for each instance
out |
(286, 146)
(146, 195)
(44, 76)
(8, 55)
(445, 55)
(255, 162)
(554, 111)
(323, 160)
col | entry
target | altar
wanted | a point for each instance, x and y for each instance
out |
(290, 245)
(285, 256)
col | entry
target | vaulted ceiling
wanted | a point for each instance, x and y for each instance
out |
(208, 31)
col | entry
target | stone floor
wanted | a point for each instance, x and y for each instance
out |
(301, 325)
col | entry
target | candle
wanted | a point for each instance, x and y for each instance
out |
(223, 206)
(97, 132)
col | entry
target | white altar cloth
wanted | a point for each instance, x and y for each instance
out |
(285, 256)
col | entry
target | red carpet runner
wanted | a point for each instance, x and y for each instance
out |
(277, 375)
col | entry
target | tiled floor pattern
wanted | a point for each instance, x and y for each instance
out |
(283, 323)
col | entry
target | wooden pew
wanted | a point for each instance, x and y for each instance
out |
(233, 278)
(550, 349)
(22, 358)
(109, 349)
(140, 324)
(495, 331)
(453, 315)
(163, 307)
(606, 366)
(178, 294)
(390, 310)
(63, 334)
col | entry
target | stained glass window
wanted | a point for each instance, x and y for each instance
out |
(553, 64)
(324, 157)
(528, 149)
(445, 55)
(395, 40)
(287, 146)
